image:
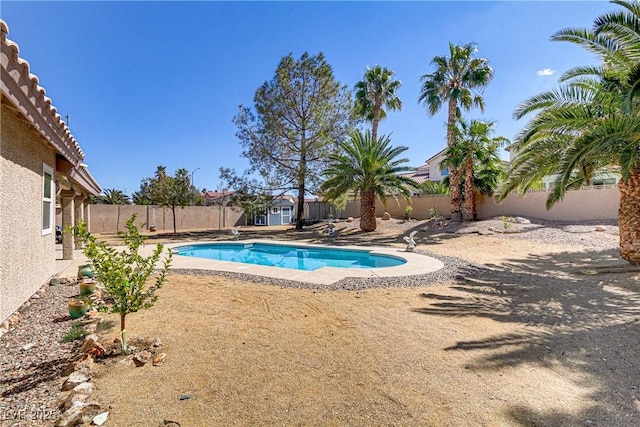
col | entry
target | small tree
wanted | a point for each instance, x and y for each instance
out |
(125, 274)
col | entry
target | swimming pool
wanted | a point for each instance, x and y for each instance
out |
(306, 258)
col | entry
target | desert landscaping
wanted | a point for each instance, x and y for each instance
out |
(527, 324)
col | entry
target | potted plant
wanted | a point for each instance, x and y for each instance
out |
(85, 270)
(78, 307)
(87, 286)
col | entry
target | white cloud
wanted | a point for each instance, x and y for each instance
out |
(546, 72)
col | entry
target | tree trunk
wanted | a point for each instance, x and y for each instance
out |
(173, 211)
(469, 199)
(629, 218)
(300, 209)
(123, 336)
(368, 210)
(376, 119)
(454, 176)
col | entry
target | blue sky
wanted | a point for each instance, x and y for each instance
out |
(158, 83)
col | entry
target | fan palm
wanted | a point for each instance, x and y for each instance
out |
(458, 80)
(474, 147)
(376, 91)
(590, 122)
(367, 167)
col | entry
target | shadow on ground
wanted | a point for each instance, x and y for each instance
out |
(570, 315)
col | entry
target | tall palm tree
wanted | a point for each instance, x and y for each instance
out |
(475, 146)
(590, 122)
(367, 167)
(377, 90)
(458, 80)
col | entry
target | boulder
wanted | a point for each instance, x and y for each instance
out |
(521, 220)
(386, 216)
(601, 228)
(79, 395)
(350, 219)
(141, 358)
(76, 378)
(92, 347)
(78, 414)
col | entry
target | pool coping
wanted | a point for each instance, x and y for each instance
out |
(416, 264)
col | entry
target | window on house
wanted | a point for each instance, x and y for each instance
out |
(275, 210)
(444, 172)
(48, 195)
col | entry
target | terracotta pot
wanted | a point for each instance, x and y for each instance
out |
(77, 308)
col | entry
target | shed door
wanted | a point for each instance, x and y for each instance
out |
(286, 215)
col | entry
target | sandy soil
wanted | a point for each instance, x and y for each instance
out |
(545, 334)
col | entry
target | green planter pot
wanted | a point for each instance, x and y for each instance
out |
(77, 309)
(87, 287)
(85, 270)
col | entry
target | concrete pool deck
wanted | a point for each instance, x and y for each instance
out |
(416, 264)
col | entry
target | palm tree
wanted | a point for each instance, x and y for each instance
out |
(367, 167)
(475, 147)
(112, 196)
(458, 80)
(376, 91)
(590, 122)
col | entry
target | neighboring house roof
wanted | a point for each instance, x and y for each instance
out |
(22, 94)
(420, 175)
(439, 153)
(214, 195)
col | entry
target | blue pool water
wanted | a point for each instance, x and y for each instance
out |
(296, 257)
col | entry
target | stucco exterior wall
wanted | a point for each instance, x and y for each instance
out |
(585, 204)
(104, 218)
(28, 257)
(589, 203)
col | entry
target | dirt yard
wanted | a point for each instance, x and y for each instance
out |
(543, 334)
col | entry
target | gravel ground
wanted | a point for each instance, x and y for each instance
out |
(32, 357)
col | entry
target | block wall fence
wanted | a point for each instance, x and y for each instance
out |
(588, 203)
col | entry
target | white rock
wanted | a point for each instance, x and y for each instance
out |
(28, 346)
(75, 379)
(100, 418)
(600, 228)
(78, 396)
(521, 220)
(78, 414)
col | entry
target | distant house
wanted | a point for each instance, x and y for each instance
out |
(217, 197)
(419, 175)
(280, 211)
(41, 164)
(433, 164)
(606, 176)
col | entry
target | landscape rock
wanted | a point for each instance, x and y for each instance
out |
(159, 359)
(78, 414)
(78, 395)
(141, 358)
(92, 347)
(521, 220)
(600, 228)
(15, 318)
(158, 343)
(386, 216)
(6, 325)
(28, 346)
(76, 378)
(100, 418)
(350, 219)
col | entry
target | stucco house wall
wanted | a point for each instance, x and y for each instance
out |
(33, 134)
(27, 260)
